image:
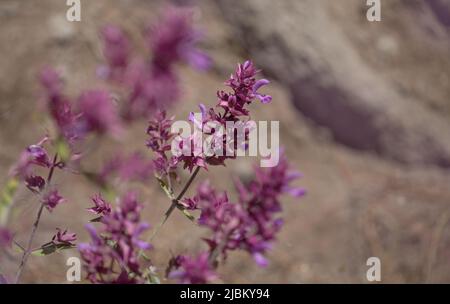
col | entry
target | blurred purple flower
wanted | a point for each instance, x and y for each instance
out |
(98, 113)
(134, 167)
(52, 199)
(192, 270)
(6, 238)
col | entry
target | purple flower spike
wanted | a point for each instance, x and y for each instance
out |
(117, 242)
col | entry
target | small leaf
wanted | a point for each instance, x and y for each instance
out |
(165, 187)
(188, 215)
(63, 150)
(96, 220)
(50, 248)
(6, 199)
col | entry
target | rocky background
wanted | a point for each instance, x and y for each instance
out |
(364, 111)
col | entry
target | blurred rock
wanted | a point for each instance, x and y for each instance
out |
(385, 91)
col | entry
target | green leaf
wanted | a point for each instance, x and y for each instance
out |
(165, 187)
(6, 199)
(50, 248)
(63, 150)
(188, 215)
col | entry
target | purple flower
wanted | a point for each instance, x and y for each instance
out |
(192, 270)
(250, 224)
(52, 199)
(101, 207)
(159, 131)
(231, 107)
(118, 243)
(174, 39)
(134, 167)
(59, 106)
(151, 82)
(64, 238)
(6, 238)
(99, 113)
(116, 49)
(34, 155)
(35, 183)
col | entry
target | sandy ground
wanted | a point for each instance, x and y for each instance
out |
(358, 205)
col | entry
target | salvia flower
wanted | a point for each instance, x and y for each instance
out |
(101, 207)
(231, 107)
(192, 270)
(52, 199)
(99, 114)
(113, 253)
(33, 155)
(174, 39)
(250, 224)
(160, 135)
(64, 238)
(152, 82)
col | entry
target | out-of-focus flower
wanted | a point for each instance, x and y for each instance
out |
(34, 155)
(52, 199)
(64, 238)
(116, 244)
(192, 270)
(174, 39)
(6, 238)
(116, 49)
(101, 207)
(152, 82)
(98, 113)
(59, 106)
(134, 167)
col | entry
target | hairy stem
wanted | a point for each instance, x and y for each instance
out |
(27, 252)
(173, 205)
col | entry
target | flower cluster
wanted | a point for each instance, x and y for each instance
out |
(113, 253)
(133, 167)
(191, 270)
(159, 142)
(250, 224)
(231, 107)
(93, 111)
(152, 83)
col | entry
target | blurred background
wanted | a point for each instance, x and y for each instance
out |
(364, 112)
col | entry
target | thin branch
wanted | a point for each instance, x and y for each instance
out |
(173, 205)
(27, 252)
